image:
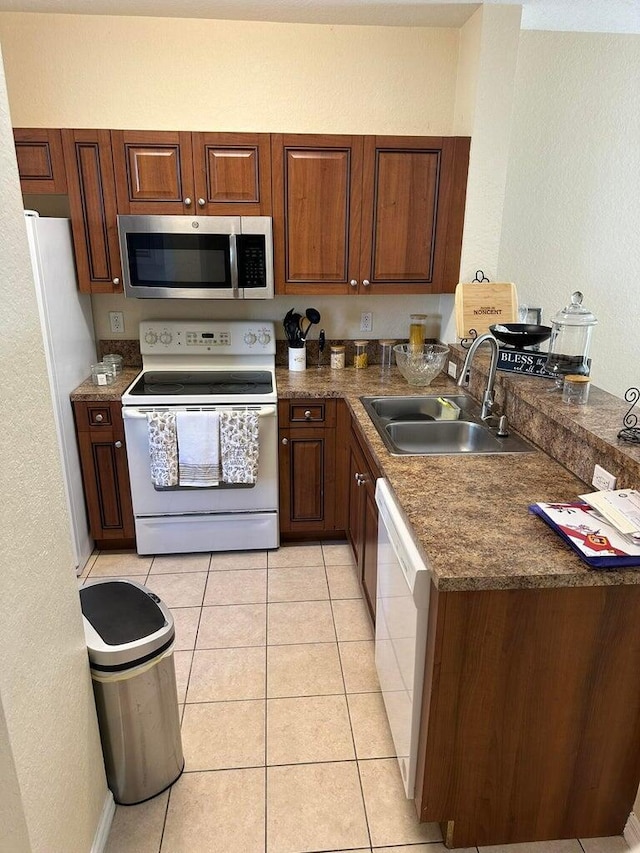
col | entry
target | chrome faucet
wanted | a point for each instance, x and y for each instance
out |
(463, 381)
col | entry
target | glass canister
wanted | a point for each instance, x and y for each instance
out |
(102, 373)
(386, 355)
(337, 357)
(571, 331)
(360, 358)
(115, 360)
(417, 331)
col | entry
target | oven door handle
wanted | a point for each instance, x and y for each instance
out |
(140, 414)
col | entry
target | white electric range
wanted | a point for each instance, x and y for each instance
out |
(204, 366)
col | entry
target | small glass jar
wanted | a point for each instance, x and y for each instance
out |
(115, 360)
(337, 357)
(386, 355)
(575, 389)
(360, 358)
(102, 374)
(417, 331)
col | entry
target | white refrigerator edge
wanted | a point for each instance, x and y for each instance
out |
(69, 345)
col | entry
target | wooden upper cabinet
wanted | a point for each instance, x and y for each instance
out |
(232, 173)
(316, 209)
(40, 160)
(413, 197)
(154, 172)
(92, 202)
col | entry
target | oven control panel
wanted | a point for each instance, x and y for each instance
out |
(229, 337)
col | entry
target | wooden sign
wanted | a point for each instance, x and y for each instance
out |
(523, 361)
(480, 305)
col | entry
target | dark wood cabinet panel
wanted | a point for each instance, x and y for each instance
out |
(154, 172)
(363, 517)
(316, 193)
(92, 201)
(40, 160)
(307, 463)
(232, 173)
(105, 473)
(410, 211)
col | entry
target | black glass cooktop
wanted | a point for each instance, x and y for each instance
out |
(219, 383)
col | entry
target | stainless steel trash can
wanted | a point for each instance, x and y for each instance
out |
(130, 633)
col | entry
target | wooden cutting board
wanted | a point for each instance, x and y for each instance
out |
(480, 305)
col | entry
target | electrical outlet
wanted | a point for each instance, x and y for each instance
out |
(452, 370)
(116, 322)
(366, 321)
(602, 479)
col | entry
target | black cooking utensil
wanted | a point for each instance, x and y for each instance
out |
(520, 334)
(313, 317)
(291, 325)
(321, 343)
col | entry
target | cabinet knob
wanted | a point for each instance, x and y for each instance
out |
(99, 418)
(360, 479)
(201, 202)
(353, 282)
(365, 282)
(116, 281)
(187, 201)
(118, 444)
(307, 415)
(285, 441)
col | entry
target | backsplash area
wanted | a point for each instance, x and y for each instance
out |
(340, 314)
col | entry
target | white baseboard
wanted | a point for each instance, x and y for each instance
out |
(102, 832)
(632, 831)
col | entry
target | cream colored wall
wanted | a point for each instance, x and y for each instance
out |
(484, 98)
(572, 206)
(172, 73)
(49, 746)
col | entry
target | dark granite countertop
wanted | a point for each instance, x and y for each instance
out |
(469, 514)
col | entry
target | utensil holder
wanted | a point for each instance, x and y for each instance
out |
(298, 358)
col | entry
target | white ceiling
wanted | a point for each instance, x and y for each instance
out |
(615, 16)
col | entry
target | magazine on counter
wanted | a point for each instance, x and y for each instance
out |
(598, 543)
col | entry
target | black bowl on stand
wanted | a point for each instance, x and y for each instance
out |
(520, 335)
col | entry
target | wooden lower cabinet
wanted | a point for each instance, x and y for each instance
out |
(105, 474)
(307, 466)
(531, 714)
(363, 517)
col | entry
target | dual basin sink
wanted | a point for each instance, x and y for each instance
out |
(437, 425)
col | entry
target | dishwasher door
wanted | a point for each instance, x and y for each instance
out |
(402, 602)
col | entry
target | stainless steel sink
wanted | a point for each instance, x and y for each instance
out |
(425, 426)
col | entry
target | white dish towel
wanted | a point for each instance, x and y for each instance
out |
(198, 448)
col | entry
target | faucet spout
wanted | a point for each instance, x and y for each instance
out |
(463, 381)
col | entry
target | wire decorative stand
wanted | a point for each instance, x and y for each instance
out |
(473, 333)
(631, 431)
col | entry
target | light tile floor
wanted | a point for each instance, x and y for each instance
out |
(287, 748)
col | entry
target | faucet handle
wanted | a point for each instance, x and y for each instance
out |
(503, 427)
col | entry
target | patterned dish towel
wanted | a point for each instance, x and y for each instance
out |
(239, 446)
(198, 448)
(163, 448)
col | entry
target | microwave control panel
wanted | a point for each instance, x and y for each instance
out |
(252, 263)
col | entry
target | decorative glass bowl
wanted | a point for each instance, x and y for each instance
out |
(420, 367)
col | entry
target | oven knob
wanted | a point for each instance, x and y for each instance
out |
(264, 338)
(166, 338)
(151, 337)
(250, 338)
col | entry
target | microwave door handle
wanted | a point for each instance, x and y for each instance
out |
(233, 261)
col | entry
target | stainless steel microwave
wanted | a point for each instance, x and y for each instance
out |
(197, 257)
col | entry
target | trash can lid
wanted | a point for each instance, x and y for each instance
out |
(124, 623)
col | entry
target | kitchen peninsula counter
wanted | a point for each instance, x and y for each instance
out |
(469, 513)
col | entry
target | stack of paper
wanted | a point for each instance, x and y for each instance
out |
(620, 507)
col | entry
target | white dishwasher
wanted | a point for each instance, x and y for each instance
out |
(402, 614)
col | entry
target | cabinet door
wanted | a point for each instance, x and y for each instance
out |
(370, 545)
(412, 213)
(92, 201)
(154, 172)
(316, 208)
(355, 530)
(105, 473)
(40, 160)
(307, 479)
(232, 173)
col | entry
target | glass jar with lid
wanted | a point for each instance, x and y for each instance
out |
(417, 331)
(360, 357)
(337, 356)
(571, 331)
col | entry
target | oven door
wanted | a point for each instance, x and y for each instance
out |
(149, 500)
